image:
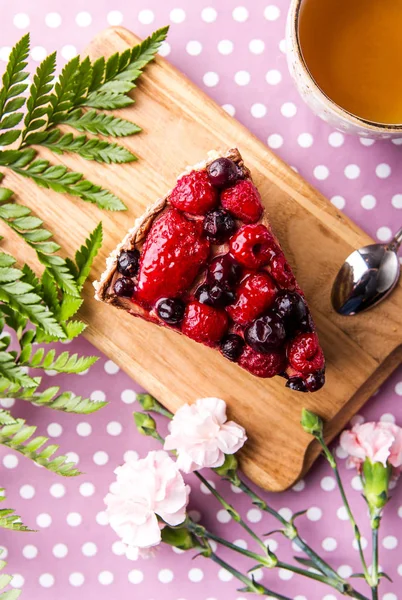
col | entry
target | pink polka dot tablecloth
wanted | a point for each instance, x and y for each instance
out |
(234, 50)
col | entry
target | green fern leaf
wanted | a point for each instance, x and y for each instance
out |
(13, 85)
(62, 98)
(9, 520)
(62, 363)
(84, 78)
(95, 122)
(15, 374)
(85, 256)
(39, 97)
(18, 436)
(107, 100)
(6, 418)
(52, 398)
(90, 149)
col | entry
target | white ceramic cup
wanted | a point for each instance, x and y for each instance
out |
(319, 102)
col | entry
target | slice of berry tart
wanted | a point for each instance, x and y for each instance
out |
(204, 262)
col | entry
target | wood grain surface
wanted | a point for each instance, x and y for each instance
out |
(180, 124)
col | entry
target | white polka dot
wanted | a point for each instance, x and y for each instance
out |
(241, 544)
(119, 548)
(258, 110)
(368, 202)
(256, 46)
(223, 516)
(387, 418)
(43, 520)
(87, 489)
(10, 461)
(225, 47)
(390, 542)
(17, 581)
(195, 515)
(224, 575)
(230, 109)
(211, 79)
(328, 483)
(336, 139)
(164, 49)
(345, 571)
(165, 576)
(288, 109)
(383, 171)
(7, 402)
(105, 577)
(384, 234)
(102, 518)
(30, 551)
(89, 549)
(111, 368)
(76, 579)
(69, 51)
(314, 513)
(275, 141)
(390, 596)
(130, 455)
(54, 430)
(254, 515)
(60, 550)
(209, 14)
(27, 491)
(357, 420)
(146, 17)
(74, 519)
(338, 201)
(114, 428)
(135, 576)
(38, 53)
(5, 52)
(398, 388)
(98, 396)
(273, 77)
(300, 598)
(21, 20)
(72, 457)
(352, 171)
(363, 542)
(285, 513)
(195, 575)
(177, 15)
(84, 429)
(272, 13)
(366, 141)
(299, 486)
(342, 513)
(272, 544)
(115, 17)
(57, 490)
(46, 580)
(397, 141)
(194, 48)
(285, 575)
(83, 19)
(340, 452)
(305, 140)
(240, 14)
(397, 201)
(53, 20)
(242, 77)
(321, 172)
(329, 544)
(357, 483)
(101, 457)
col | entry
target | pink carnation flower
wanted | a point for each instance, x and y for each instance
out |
(202, 435)
(379, 442)
(144, 490)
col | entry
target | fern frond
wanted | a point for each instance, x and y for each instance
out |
(9, 520)
(62, 98)
(95, 122)
(85, 256)
(62, 363)
(13, 86)
(52, 398)
(108, 100)
(39, 97)
(6, 418)
(12, 372)
(18, 436)
(89, 148)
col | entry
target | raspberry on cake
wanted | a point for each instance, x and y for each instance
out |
(204, 262)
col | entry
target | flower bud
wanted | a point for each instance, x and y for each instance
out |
(229, 467)
(375, 479)
(178, 538)
(311, 423)
(145, 424)
(147, 401)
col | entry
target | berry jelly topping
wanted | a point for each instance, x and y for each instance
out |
(291, 307)
(219, 225)
(232, 346)
(214, 295)
(173, 255)
(281, 271)
(224, 270)
(223, 172)
(128, 263)
(243, 200)
(194, 193)
(262, 365)
(170, 310)
(315, 381)
(305, 354)
(266, 333)
(204, 323)
(123, 287)
(253, 246)
(255, 295)
(297, 384)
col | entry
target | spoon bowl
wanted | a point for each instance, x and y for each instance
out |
(367, 277)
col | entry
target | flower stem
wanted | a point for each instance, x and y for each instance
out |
(375, 519)
(332, 462)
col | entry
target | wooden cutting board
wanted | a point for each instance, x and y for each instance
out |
(180, 124)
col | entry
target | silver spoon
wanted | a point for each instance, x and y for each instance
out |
(367, 277)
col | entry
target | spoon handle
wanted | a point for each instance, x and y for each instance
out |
(396, 241)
